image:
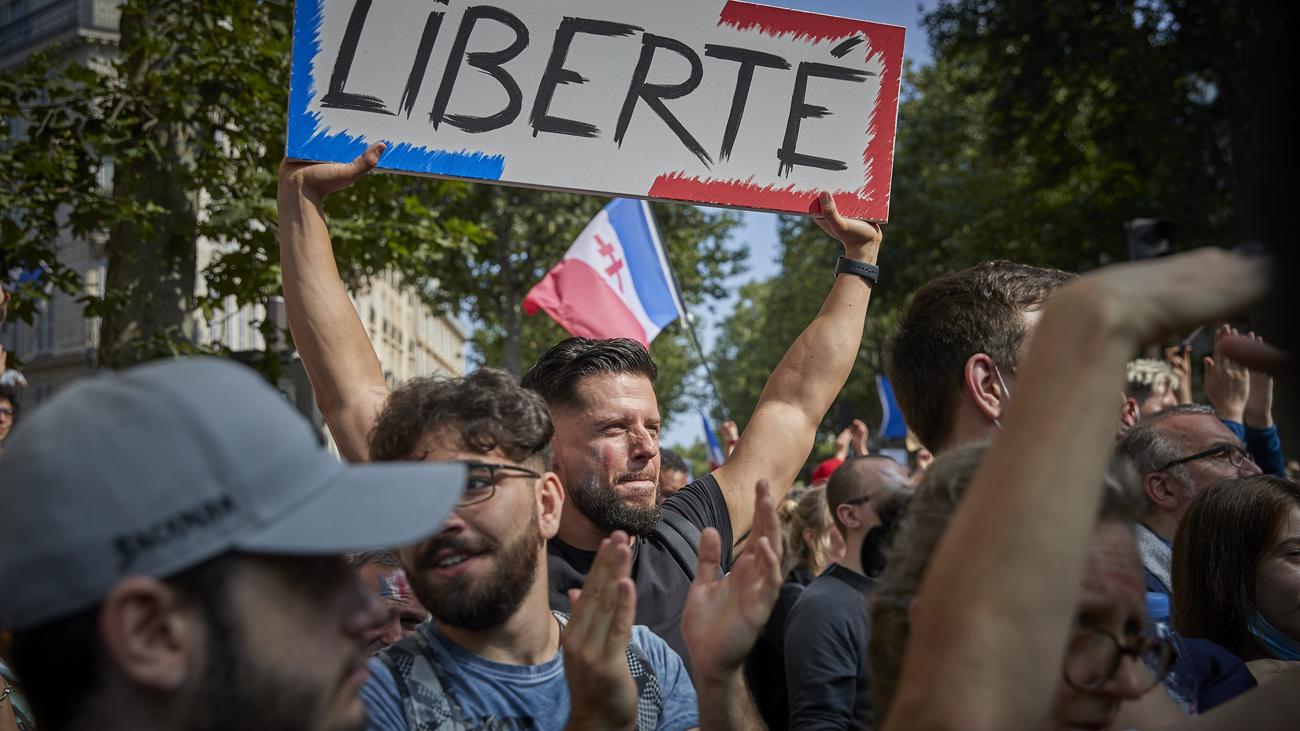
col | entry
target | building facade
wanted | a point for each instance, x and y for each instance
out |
(60, 345)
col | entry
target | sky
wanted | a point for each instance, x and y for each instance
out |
(758, 230)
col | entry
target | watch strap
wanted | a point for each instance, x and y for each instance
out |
(869, 272)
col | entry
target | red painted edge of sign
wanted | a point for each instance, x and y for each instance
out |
(872, 200)
(888, 41)
(775, 21)
(744, 194)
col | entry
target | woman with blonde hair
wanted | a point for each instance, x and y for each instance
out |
(811, 543)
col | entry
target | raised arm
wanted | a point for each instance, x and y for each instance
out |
(992, 660)
(780, 434)
(345, 373)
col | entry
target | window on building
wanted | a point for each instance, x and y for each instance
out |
(45, 327)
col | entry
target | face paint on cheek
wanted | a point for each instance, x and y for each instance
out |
(394, 585)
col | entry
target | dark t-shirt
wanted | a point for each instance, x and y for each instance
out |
(765, 665)
(826, 667)
(661, 582)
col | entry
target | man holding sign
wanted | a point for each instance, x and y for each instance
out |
(607, 420)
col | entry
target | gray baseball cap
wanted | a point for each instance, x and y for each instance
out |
(162, 467)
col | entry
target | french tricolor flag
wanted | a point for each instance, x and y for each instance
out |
(614, 282)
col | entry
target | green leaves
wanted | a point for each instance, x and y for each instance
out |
(1037, 131)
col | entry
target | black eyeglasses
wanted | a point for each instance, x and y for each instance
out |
(7, 412)
(481, 482)
(857, 500)
(1094, 655)
(1235, 454)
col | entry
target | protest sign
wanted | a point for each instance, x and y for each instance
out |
(708, 101)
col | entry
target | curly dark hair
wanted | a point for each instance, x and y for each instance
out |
(556, 374)
(670, 460)
(486, 409)
(950, 319)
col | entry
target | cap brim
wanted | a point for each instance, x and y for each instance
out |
(365, 507)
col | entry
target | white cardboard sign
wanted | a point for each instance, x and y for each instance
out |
(707, 101)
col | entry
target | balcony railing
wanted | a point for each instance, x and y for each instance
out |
(49, 21)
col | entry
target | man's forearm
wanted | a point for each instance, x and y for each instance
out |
(1039, 483)
(725, 703)
(336, 352)
(781, 432)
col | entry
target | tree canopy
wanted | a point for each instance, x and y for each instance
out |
(175, 135)
(1036, 132)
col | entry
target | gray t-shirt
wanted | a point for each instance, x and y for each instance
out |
(494, 696)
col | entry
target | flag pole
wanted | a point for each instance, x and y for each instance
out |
(687, 320)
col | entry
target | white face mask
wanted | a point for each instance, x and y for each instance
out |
(1006, 394)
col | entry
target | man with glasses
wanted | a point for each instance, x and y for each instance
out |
(1113, 656)
(1179, 452)
(495, 655)
(826, 634)
(492, 655)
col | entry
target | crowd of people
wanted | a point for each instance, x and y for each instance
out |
(1096, 551)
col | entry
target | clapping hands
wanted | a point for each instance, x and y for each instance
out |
(723, 616)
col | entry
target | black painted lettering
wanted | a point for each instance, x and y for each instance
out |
(555, 74)
(335, 97)
(654, 94)
(490, 63)
(413, 82)
(747, 59)
(843, 49)
(800, 110)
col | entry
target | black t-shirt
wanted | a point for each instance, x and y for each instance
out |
(826, 668)
(661, 582)
(765, 665)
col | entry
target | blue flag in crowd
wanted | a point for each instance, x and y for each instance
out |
(892, 425)
(716, 457)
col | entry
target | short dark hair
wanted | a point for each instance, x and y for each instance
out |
(11, 394)
(1219, 543)
(61, 663)
(486, 409)
(923, 525)
(950, 319)
(845, 485)
(557, 373)
(670, 460)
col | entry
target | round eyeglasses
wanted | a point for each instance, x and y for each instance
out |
(1094, 656)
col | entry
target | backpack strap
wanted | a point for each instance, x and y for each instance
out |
(649, 692)
(416, 666)
(682, 539)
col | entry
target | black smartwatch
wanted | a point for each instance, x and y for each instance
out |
(869, 272)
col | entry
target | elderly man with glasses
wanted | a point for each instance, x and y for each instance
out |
(1179, 452)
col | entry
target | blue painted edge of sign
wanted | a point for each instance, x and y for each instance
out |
(306, 141)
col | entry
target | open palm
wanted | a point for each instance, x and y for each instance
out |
(723, 616)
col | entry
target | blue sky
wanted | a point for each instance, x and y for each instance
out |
(758, 230)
